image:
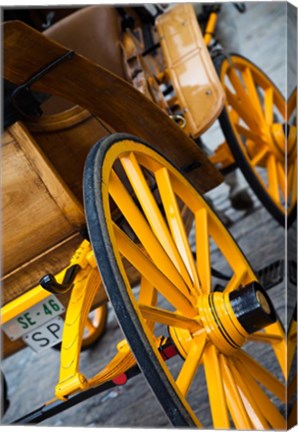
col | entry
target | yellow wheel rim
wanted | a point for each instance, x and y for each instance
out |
(141, 203)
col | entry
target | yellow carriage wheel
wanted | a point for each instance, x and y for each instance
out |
(136, 204)
(260, 129)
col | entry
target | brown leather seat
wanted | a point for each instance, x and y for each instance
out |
(94, 32)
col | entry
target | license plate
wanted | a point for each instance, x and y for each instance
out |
(45, 336)
(33, 318)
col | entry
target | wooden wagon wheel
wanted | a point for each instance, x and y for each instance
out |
(176, 300)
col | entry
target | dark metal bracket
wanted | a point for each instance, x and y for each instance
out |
(20, 100)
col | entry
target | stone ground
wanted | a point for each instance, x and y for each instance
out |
(32, 377)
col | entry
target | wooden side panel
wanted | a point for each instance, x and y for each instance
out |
(38, 209)
(67, 144)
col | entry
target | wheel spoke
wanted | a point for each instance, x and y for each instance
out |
(252, 90)
(236, 281)
(281, 177)
(240, 91)
(259, 157)
(263, 337)
(173, 319)
(262, 375)
(252, 407)
(190, 366)
(272, 178)
(152, 212)
(248, 133)
(241, 110)
(268, 105)
(215, 386)
(271, 413)
(176, 223)
(148, 296)
(235, 403)
(89, 325)
(292, 140)
(280, 347)
(203, 249)
(152, 273)
(143, 231)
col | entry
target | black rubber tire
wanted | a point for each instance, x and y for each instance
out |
(240, 158)
(4, 395)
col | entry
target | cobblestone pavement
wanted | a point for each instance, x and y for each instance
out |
(32, 378)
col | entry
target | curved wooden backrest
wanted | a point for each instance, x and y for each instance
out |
(94, 32)
(104, 95)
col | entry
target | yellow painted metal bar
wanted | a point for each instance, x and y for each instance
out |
(153, 273)
(176, 223)
(210, 28)
(234, 401)
(37, 294)
(143, 231)
(203, 249)
(79, 306)
(25, 301)
(217, 398)
(190, 366)
(152, 212)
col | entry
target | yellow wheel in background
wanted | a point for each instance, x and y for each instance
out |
(231, 347)
(260, 128)
(95, 326)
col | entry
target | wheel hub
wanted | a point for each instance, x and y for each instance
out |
(228, 319)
